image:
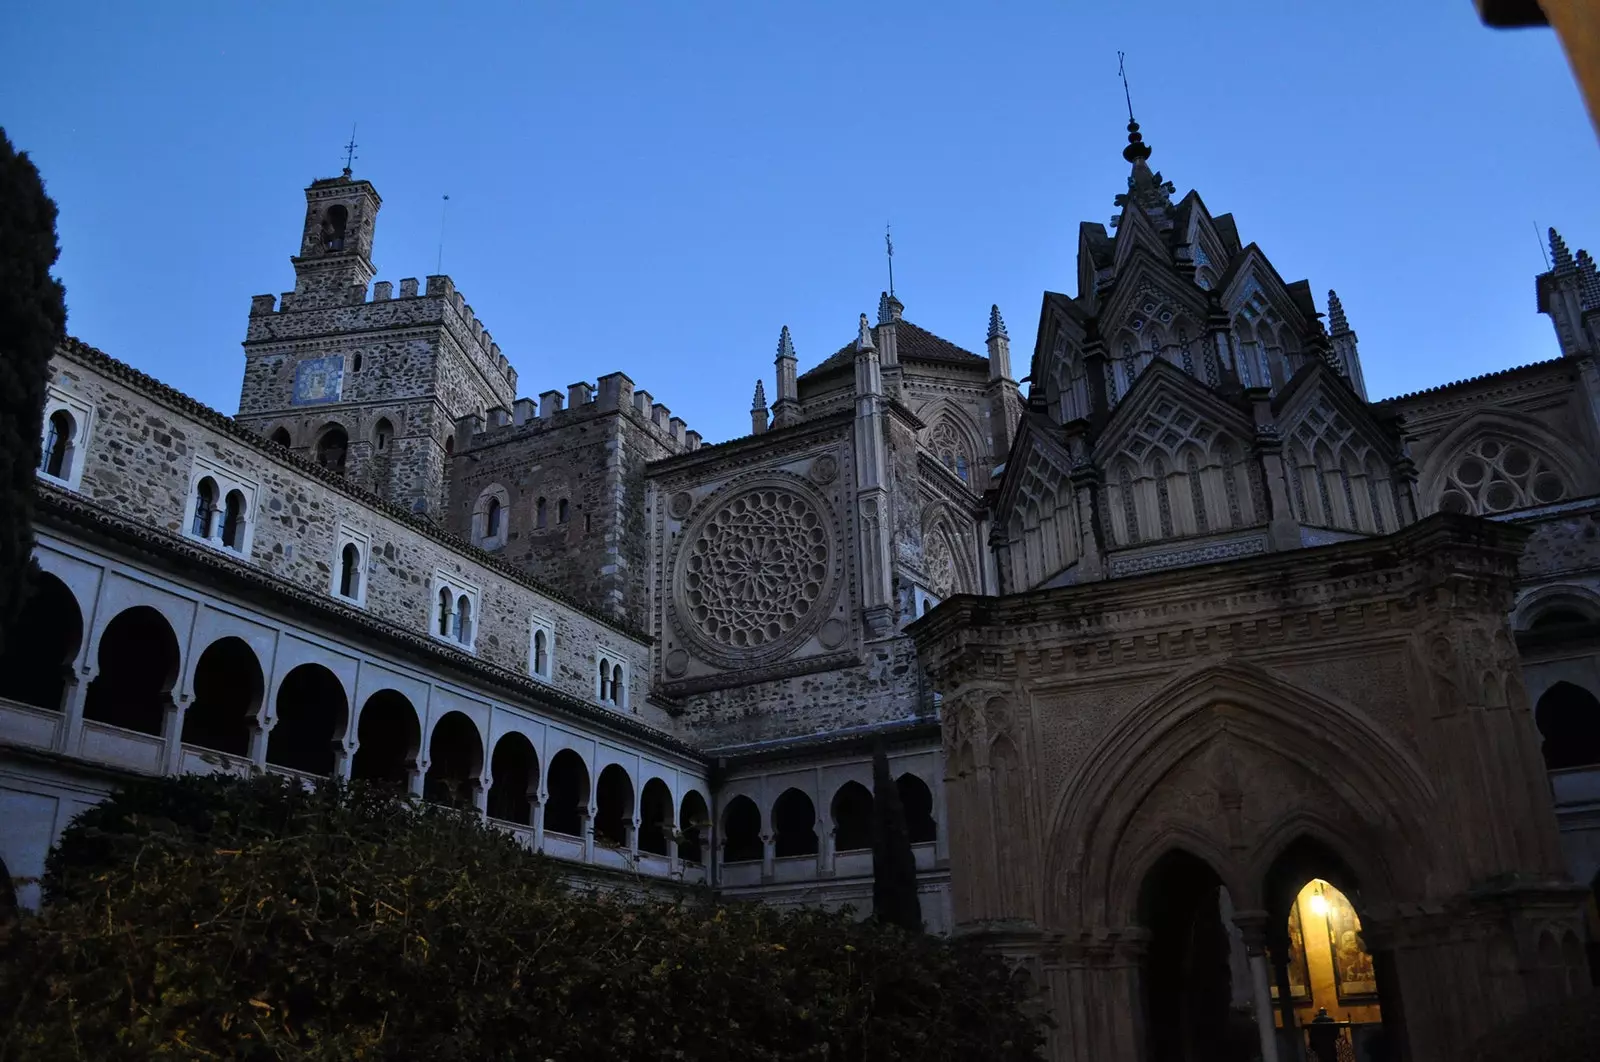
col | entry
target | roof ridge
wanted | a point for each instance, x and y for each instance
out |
(1471, 379)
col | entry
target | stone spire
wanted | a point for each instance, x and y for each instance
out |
(1559, 252)
(1588, 282)
(758, 410)
(786, 410)
(1146, 188)
(872, 488)
(1336, 319)
(999, 347)
(1342, 345)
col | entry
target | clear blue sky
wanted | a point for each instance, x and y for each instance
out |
(658, 187)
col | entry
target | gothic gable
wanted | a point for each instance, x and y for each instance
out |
(1267, 322)
(1057, 368)
(1339, 461)
(1035, 511)
(1176, 462)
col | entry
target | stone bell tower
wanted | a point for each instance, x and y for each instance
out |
(368, 386)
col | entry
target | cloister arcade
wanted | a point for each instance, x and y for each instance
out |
(136, 672)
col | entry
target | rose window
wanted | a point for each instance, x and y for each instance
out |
(1495, 475)
(756, 573)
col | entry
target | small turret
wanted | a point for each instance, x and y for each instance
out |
(758, 410)
(1342, 340)
(1563, 297)
(786, 409)
(999, 346)
(889, 310)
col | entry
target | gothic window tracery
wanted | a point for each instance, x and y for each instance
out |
(1495, 475)
(1178, 476)
(1336, 478)
(952, 450)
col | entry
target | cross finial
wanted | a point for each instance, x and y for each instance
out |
(350, 150)
(1122, 72)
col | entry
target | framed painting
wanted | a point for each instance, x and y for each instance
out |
(1354, 980)
(1299, 974)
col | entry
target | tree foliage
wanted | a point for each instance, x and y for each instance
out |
(33, 320)
(894, 865)
(203, 918)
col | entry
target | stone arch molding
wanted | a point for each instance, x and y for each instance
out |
(946, 545)
(1230, 762)
(758, 570)
(1528, 431)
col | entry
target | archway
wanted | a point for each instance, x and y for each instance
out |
(1187, 975)
(613, 800)
(852, 817)
(655, 817)
(694, 822)
(138, 666)
(568, 785)
(332, 447)
(41, 646)
(1320, 957)
(794, 824)
(227, 695)
(1568, 717)
(311, 715)
(515, 769)
(388, 738)
(455, 765)
(741, 831)
(917, 800)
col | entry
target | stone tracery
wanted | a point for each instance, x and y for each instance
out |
(756, 573)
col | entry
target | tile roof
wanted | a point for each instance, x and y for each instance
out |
(911, 341)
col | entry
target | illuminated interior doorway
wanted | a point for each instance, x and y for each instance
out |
(1331, 975)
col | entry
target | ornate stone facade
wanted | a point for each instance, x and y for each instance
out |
(1192, 623)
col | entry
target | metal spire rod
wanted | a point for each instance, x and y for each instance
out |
(1123, 74)
(1539, 238)
(438, 269)
(888, 243)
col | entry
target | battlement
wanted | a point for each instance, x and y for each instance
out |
(581, 401)
(477, 340)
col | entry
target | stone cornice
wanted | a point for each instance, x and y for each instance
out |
(177, 401)
(1364, 585)
(84, 519)
(898, 734)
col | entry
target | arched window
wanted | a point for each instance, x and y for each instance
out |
(331, 449)
(444, 612)
(741, 831)
(233, 521)
(282, 437)
(492, 518)
(333, 226)
(1569, 718)
(350, 571)
(961, 468)
(613, 798)
(561, 511)
(355, 363)
(540, 519)
(59, 430)
(1496, 475)
(464, 620)
(205, 506)
(694, 820)
(917, 801)
(603, 686)
(382, 432)
(852, 817)
(541, 653)
(794, 821)
(568, 785)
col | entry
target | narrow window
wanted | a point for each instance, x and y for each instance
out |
(491, 519)
(349, 571)
(282, 438)
(355, 363)
(561, 511)
(587, 524)
(541, 653)
(464, 620)
(57, 439)
(233, 520)
(382, 432)
(605, 678)
(539, 518)
(616, 684)
(333, 226)
(444, 612)
(961, 466)
(205, 502)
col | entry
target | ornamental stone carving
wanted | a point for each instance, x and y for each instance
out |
(757, 572)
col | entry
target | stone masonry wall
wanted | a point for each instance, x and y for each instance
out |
(139, 459)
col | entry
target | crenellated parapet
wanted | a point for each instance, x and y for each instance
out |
(555, 410)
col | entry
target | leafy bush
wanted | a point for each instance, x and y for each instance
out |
(1566, 1031)
(216, 918)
